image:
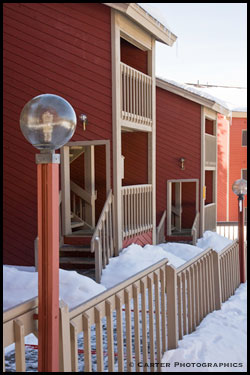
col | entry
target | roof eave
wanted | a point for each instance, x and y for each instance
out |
(193, 97)
(139, 15)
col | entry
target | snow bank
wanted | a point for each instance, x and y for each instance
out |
(136, 258)
(181, 250)
(21, 284)
(131, 260)
(220, 340)
(213, 240)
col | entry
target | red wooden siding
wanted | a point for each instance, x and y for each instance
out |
(142, 240)
(238, 161)
(223, 167)
(134, 57)
(178, 134)
(135, 151)
(58, 48)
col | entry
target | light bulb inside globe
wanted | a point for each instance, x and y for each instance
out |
(48, 121)
(240, 187)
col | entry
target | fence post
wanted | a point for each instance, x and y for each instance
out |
(64, 339)
(98, 259)
(19, 345)
(171, 285)
(217, 280)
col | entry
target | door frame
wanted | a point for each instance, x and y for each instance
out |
(169, 198)
(65, 177)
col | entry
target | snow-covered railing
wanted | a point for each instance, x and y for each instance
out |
(137, 307)
(136, 96)
(102, 242)
(195, 228)
(229, 270)
(135, 321)
(198, 290)
(136, 209)
(160, 230)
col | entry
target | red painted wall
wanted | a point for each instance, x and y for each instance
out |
(134, 57)
(178, 134)
(237, 161)
(135, 151)
(58, 48)
(142, 240)
(223, 129)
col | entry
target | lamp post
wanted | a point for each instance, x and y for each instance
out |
(240, 189)
(48, 122)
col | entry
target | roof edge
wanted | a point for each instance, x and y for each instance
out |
(193, 97)
(145, 20)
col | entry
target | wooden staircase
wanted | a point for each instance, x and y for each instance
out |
(183, 236)
(75, 251)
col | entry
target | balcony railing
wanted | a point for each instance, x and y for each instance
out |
(210, 150)
(136, 96)
(137, 209)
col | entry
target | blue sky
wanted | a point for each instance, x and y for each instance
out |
(211, 45)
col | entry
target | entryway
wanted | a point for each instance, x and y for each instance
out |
(182, 207)
(85, 183)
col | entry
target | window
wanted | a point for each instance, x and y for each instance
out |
(244, 137)
(244, 174)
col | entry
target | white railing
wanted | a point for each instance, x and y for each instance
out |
(136, 96)
(136, 209)
(195, 229)
(230, 229)
(210, 217)
(210, 150)
(102, 242)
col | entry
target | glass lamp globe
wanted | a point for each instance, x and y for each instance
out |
(240, 187)
(48, 121)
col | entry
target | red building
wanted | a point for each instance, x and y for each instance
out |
(101, 59)
(186, 129)
(122, 170)
(232, 156)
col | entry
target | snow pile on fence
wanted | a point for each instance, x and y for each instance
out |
(136, 258)
(213, 240)
(21, 284)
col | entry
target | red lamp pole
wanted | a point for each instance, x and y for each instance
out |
(241, 239)
(48, 261)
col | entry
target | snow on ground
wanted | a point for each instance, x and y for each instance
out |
(219, 343)
(20, 284)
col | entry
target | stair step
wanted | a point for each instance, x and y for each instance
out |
(77, 240)
(75, 251)
(77, 260)
(77, 224)
(181, 238)
(70, 247)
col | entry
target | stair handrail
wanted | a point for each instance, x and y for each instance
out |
(160, 230)
(195, 229)
(102, 240)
